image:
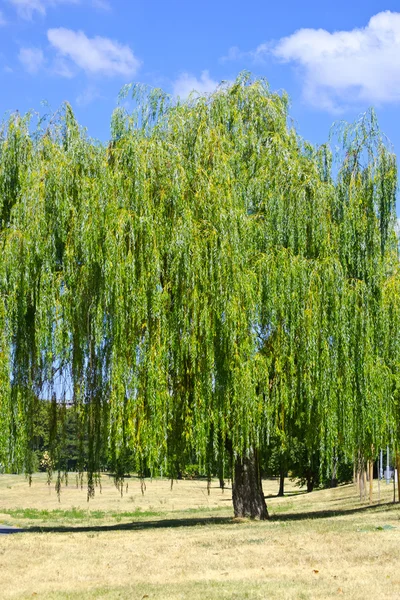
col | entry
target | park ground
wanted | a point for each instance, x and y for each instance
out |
(184, 544)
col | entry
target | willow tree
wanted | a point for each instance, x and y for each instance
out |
(201, 285)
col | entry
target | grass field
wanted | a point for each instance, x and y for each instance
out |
(183, 543)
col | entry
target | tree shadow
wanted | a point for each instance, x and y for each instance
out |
(288, 494)
(342, 498)
(271, 496)
(132, 526)
(6, 530)
(326, 514)
(192, 522)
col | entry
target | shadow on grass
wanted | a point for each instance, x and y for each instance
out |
(288, 494)
(198, 521)
(7, 529)
(327, 514)
(271, 496)
(133, 526)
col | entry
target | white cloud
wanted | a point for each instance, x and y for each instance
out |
(96, 55)
(31, 58)
(186, 83)
(89, 95)
(234, 54)
(101, 4)
(27, 8)
(344, 67)
(62, 67)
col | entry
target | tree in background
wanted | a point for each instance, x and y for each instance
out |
(202, 284)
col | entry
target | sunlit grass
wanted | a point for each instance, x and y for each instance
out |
(184, 543)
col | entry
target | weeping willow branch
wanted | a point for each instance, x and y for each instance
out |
(201, 282)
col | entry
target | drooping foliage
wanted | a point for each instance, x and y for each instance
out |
(201, 285)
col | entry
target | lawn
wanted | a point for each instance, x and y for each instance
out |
(183, 543)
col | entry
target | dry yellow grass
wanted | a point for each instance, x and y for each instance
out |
(184, 544)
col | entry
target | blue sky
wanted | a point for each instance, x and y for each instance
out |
(334, 59)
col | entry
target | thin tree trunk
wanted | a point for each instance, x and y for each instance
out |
(247, 493)
(281, 484)
(371, 480)
(221, 474)
(359, 474)
(379, 484)
(365, 483)
(310, 484)
(334, 473)
(398, 473)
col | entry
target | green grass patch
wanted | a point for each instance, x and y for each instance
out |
(74, 514)
(204, 509)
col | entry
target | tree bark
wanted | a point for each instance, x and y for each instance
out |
(281, 484)
(247, 493)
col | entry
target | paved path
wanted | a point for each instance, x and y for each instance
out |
(4, 529)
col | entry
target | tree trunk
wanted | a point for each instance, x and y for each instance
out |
(281, 484)
(379, 485)
(365, 483)
(334, 480)
(247, 493)
(310, 484)
(371, 480)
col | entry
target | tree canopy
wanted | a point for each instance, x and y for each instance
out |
(203, 284)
